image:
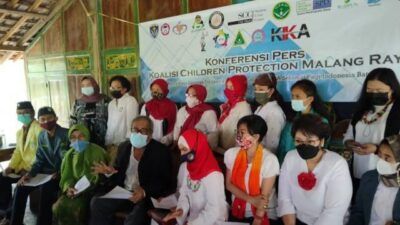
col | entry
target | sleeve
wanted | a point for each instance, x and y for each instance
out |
(183, 202)
(285, 204)
(349, 134)
(108, 138)
(211, 128)
(229, 158)
(66, 180)
(270, 167)
(215, 196)
(275, 122)
(178, 124)
(73, 119)
(132, 110)
(143, 110)
(16, 156)
(39, 161)
(357, 212)
(337, 196)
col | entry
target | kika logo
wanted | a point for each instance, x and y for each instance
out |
(289, 32)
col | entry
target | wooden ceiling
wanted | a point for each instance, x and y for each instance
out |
(20, 21)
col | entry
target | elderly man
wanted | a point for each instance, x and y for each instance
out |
(143, 166)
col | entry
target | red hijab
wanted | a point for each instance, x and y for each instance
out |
(163, 108)
(204, 162)
(96, 96)
(234, 96)
(196, 112)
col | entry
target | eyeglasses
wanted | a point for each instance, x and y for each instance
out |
(307, 142)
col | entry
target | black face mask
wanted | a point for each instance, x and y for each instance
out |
(307, 151)
(157, 95)
(116, 94)
(378, 99)
(188, 157)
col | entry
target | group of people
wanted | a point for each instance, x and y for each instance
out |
(277, 166)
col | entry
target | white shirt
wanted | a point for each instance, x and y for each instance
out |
(327, 202)
(227, 135)
(269, 168)
(132, 176)
(382, 206)
(207, 124)
(207, 205)
(367, 133)
(275, 118)
(121, 112)
(158, 129)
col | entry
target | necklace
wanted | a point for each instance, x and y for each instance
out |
(375, 117)
(193, 185)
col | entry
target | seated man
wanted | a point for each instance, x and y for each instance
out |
(53, 143)
(143, 165)
(24, 153)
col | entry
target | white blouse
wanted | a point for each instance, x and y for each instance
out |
(382, 206)
(158, 129)
(131, 175)
(269, 168)
(328, 201)
(121, 112)
(227, 134)
(207, 124)
(275, 118)
(367, 133)
(207, 205)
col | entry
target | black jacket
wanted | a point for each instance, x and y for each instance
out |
(154, 170)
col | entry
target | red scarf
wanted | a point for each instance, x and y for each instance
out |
(96, 96)
(238, 179)
(239, 83)
(163, 108)
(196, 112)
(204, 162)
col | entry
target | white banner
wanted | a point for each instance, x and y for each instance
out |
(335, 43)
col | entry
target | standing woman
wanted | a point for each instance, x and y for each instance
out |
(305, 100)
(314, 184)
(197, 115)
(91, 110)
(270, 109)
(251, 174)
(202, 194)
(378, 198)
(235, 108)
(162, 111)
(377, 116)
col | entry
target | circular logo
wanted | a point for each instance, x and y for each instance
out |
(281, 10)
(258, 36)
(165, 28)
(216, 20)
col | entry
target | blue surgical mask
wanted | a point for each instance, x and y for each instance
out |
(138, 140)
(79, 145)
(298, 105)
(88, 91)
(24, 118)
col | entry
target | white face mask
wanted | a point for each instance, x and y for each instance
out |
(88, 91)
(192, 101)
(386, 168)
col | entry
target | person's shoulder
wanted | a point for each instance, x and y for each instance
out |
(97, 148)
(268, 155)
(334, 157)
(232, 152)
(370, 175)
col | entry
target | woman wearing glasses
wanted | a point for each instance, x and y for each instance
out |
(314, 185)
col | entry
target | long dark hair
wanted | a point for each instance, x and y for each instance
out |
(384, 75)
(308, 87)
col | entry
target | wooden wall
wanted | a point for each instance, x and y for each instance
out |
(102, 33)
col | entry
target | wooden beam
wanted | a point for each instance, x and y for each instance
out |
(22, 13)
(9, 48)
(6, 57)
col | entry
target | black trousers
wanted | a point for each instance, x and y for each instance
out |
(5, 191)
(48, 195)
(102, 211)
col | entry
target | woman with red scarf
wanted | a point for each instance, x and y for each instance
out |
(202, 194)
(162, 111)
(235, 108)
(251, 171)
(197, 115)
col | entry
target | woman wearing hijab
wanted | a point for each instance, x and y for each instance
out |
(251, 174)
(72, 207)
(231, 111)
(162, 111)
(197, 115)
(91, 110)
(378, 198)
(202, 194)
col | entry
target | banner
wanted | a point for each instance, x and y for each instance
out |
(334, 43)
